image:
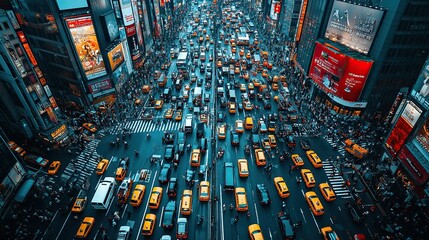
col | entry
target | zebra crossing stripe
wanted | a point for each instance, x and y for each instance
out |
(141, 126)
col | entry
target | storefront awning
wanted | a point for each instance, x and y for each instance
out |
(24, 190)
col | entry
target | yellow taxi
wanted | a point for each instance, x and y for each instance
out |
(186, 208)
(297, 160)
(250, 86)
(247, 105)
(219, 64)
(195, 158)
(146, 89)
(54, 167)
(120, 173)
(275, 86)
(233, 49)
(137, 196)
(239, 126)
(155, 198)
(327, 192)
(101, 167)
(260, 157)
(159, 104)
(328, 233)
(281, 187)
(243, 168)
(90, 127)
(314, 159)
(148, 224)
(241, 199)
(178, 116)
(80, 202)
(272, 141)
(204, 191)
(232, 108)
(308, 178)
(314, 203)
(221, 131)
(85, 227)
(237, 70)
(255, 232)
(243, 87)
(169, 113)
(256, 82)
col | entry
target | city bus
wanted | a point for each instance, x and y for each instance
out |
(104, 194)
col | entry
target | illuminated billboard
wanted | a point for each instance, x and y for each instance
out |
(413, 166)
(116, 56)
(71, 4)
(353, 26)
(422, 136)
(301, 20)
(420, 91)
(86, 44)
(338, 74)
(275, 10)
(402, 128)
(100, 86)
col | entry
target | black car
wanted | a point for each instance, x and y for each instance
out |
(263, 195)
(172, 188)
(267, 104)
(169, 152)
(179, 105)
(286, 225)
(168, 138)
(168, 217)
(305, 145)
(164, 176)
(354, 212)
(235, 141)
(202, 68)
(203, 145)
(200, 82)
(200, 130)
(222, 102)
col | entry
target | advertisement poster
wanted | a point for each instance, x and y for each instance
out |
(30, 54)
(12, 19)
(353, 26)
(422, 136)
(414, 167)
(420, 91)
(134, 47)
(275, 10)
(100, 86)
(116, 56)
(127, 12)
(110, 26)
(402, 128)
(339, 74)
(301, 20)
(138, 26)
(86, 43)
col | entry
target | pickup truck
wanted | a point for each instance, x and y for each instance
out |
(124, 190)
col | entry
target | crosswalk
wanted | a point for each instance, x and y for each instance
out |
(336, 181)
(138, 126)
(84, 165)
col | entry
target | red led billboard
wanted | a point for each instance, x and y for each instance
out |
(339, 74)
(402, 128)
(413, 166)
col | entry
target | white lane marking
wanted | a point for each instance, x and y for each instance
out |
(160, 219)
(63, 226)
(256, 212)
(221, 214)
(147, 204)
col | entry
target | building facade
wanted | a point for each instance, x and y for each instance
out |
(29, 106)
(390, 33)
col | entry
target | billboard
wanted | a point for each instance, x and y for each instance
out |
(100, 86)
(338, 74)
(127, 12)
(422, 136)
(86, 44)
(402, 128)
(110, 27)
(301, 20)
(413, 166)
(353, 26)
(420, 91)
(116, 56)
(275, 10)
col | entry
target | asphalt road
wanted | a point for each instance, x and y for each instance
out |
(223, 226)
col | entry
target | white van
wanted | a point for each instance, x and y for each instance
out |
(104, 193)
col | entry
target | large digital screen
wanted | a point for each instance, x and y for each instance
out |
(420, 91)
(127, 12)
(337, 73)
(413, 166)
(86, 44)
(110, 26)
(402, 128)
(275, 10)
(353, 26)
(71, 4)
(116, 56)
(422, 136)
